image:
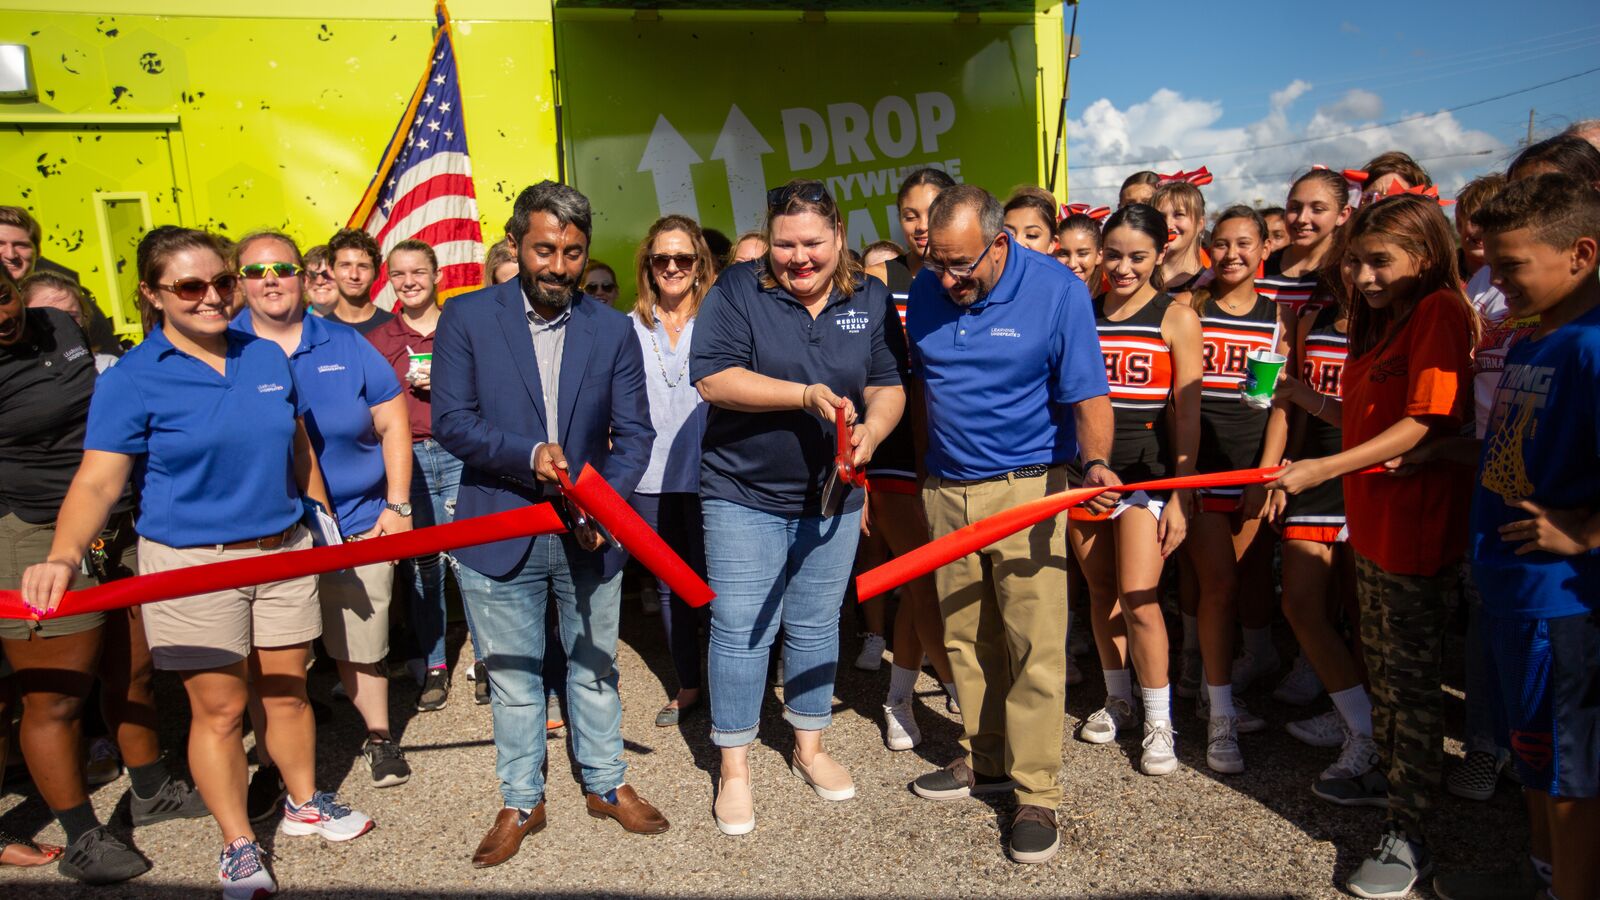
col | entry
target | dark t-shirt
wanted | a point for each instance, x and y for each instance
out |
(777, 462)
(46, 381)
(379, 317)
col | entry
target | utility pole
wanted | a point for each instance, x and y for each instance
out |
(1530, 127)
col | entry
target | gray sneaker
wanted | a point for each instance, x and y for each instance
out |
(1396, 864)
(177, 799)
(1370, 788)
(97, 857)
(957, 781)
(1103, 724)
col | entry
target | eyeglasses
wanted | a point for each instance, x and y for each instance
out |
(809, 191)
(256, 271)
(684, 261)
(194, 289)
(962, 273)
(320, 274)
(595, 287)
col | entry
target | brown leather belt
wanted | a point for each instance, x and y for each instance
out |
(270, 542)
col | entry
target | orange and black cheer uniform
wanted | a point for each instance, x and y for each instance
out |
(1293, 291)
(894, 464)
(1230, 432)
(1139, 372)
(1318, 514)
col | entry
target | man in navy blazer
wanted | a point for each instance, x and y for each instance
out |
(530, 376)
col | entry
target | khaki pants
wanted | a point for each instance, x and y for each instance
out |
(1005, 627)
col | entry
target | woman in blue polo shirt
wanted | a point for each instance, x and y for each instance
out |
(784, 342)
(361, 432)
(207, 423)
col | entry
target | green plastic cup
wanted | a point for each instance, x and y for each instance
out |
(1261, 377)
(420, 362)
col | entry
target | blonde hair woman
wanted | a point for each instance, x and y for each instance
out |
(674, 270)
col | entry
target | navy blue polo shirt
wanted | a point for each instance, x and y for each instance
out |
(1000, 375)
(214, 454)
(341, 377)
(777, 462)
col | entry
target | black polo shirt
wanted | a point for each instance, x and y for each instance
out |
(777, 462)
(46, 381)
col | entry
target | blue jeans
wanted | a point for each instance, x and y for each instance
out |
(769, 570)
(510, 616)
(677, 518)
(435, 477)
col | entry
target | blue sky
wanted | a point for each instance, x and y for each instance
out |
(1158, 78)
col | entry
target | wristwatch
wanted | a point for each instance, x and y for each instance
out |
(399, 509)
(1090, 464)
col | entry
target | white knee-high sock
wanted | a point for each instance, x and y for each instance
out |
(902, 682)
(1355, 708)
(1157, 703)
(1221, 697)
(1119, 685)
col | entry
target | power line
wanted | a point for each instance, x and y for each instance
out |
(1339, 134)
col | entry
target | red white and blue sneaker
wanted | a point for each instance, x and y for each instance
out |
(243, 873)
(324, 815)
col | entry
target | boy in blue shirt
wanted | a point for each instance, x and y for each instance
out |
(1535, 541)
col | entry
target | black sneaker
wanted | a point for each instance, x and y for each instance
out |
(266, 794)
(177, 799)
(957, 780)
(480, 683)
(1034, 835)
(387, 762)
(1476, 777)
(97, 857)
(435, 691)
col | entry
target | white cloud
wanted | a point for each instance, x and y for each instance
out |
(1106, 144)
(1349, 27)
(1355, 106)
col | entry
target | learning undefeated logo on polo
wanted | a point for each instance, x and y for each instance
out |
(333, 367)
(851, 321)
(998, 331)
(269, 388)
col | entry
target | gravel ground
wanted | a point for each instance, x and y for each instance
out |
(1192, 833)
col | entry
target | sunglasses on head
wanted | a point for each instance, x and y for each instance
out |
(260, 270)
(809, 191)
(195, 289)
(684, 261)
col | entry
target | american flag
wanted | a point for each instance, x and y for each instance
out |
(423, 187)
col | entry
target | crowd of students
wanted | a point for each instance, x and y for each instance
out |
(1434, 435)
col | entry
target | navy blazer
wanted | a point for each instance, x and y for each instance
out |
(488, 408)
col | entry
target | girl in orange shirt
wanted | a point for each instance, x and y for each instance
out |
(1409, 377)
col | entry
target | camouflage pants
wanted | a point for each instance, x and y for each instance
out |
(1402, 634)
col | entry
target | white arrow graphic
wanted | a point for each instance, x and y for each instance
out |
(740, 147)
(668, 157)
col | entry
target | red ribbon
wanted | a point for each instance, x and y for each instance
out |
(1096, 213)
(1198, 177)
(598, 500)
(237, 573)
(982, 533)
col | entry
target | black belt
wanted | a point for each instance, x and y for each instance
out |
(1023, 472)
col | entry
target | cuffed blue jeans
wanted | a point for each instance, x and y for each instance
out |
(769, 570)
(435, 478)
(510, 617)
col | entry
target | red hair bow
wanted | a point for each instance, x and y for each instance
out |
(1198, 177)
(1420, 190)
(1096, 213)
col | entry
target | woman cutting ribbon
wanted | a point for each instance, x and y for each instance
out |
(786, 341)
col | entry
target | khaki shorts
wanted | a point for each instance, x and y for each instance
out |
(355, 612)
(209, 631)
(23, 545)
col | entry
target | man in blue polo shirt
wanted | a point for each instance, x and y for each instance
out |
(1005, 343)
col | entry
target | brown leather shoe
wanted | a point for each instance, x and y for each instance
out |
(505, 838)
(632, 812)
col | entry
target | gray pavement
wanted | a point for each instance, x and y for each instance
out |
(1193, 833)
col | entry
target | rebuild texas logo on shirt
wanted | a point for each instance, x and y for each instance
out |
(851, 321)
